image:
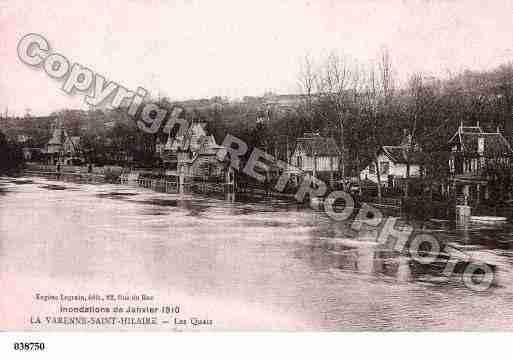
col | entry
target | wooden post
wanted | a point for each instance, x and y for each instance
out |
(230, 185)
(331, 171)
(230, 181)
(180, 181)
(463, 214)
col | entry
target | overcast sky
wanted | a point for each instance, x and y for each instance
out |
(194, 49)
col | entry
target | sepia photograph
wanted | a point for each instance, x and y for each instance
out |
(255, 166)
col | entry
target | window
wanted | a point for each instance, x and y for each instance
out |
(480, 145)
(384, 168)
(299, 162)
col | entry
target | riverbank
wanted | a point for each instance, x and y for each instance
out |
(422, 208)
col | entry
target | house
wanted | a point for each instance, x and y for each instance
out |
(31, 153)
(206, 162)
(393, 163)
(475, 156)
(318, 156)
(22, 139)
(195, 153)
(159, 147)
(62, 148)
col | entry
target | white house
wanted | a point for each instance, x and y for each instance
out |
(393, 162)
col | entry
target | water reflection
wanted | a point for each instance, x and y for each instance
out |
(269, 259)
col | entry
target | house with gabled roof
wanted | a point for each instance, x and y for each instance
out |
(317, 155)
(393, 163)
(474, 154)
(195, 152)
(62, 148)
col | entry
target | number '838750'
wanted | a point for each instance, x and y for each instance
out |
(22, 346)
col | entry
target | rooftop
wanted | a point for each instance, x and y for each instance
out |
(401, 154)
(313, 143)
(493, 142)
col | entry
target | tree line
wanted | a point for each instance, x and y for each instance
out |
(362, 106)
(11, 157)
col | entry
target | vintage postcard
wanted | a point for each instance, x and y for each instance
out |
(320, 166)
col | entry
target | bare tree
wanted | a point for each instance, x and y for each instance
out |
(307, 82)
(386, 75)
(387, 86)
(338, 82)
(377, 102)
(328, 92)
(373, 126)
(416, 94)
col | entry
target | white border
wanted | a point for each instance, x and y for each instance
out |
(262, 345)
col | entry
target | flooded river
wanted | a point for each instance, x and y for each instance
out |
(244, 265)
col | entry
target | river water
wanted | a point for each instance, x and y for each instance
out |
(244, 265)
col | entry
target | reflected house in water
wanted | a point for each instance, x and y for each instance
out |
(318, 156)
(63, 148)
(479, 163)
(195, 153)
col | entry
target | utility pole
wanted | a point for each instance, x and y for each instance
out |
(315, 165)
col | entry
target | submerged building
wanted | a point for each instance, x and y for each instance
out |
(194, 153)
(62, 148)
(395, 163)
(318, 156)
(479, 163)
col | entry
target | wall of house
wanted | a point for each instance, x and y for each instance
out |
(306, 163)
(70, 146)
(473, 164)
(206, 166)
(54, 148)
(394, 169)
(327, 163)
